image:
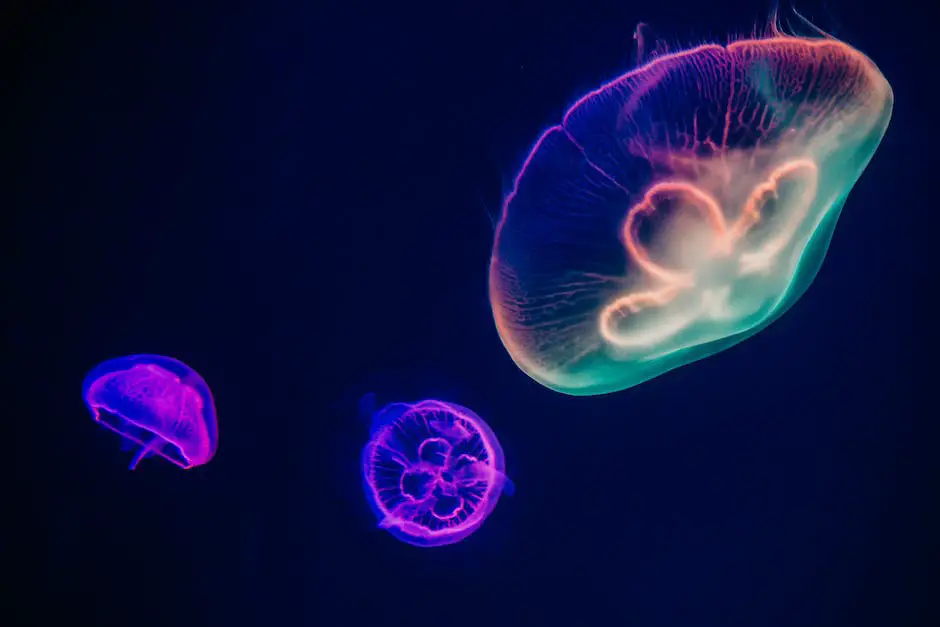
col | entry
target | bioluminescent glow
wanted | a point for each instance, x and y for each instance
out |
(681, 208)
(157, 403)
(432, 471)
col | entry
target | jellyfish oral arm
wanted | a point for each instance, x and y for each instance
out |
(153, 446)
(141, 454)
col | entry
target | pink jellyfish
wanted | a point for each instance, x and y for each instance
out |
(157, 403)
(432, 471)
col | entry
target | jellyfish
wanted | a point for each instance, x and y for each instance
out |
(681, 208)
(432, 471)
(159, 405)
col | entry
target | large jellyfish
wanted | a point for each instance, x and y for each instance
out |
(156, 403)
(432, 471)
(681, 208)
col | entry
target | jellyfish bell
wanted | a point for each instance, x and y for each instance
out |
(681, 208)
(158, 405)
(432, 471)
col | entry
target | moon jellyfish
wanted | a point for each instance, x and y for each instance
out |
(433, 471)
(681, 208)
(157, 404)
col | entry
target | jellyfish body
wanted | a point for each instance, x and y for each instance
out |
(432, 471)
(681, 208)
(158, 404)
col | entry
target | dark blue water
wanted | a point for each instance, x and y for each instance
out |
(294, 202)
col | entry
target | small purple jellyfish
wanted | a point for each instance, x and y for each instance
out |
(158, 403)
(433, 471)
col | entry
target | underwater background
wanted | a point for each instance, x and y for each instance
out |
(296, 199)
